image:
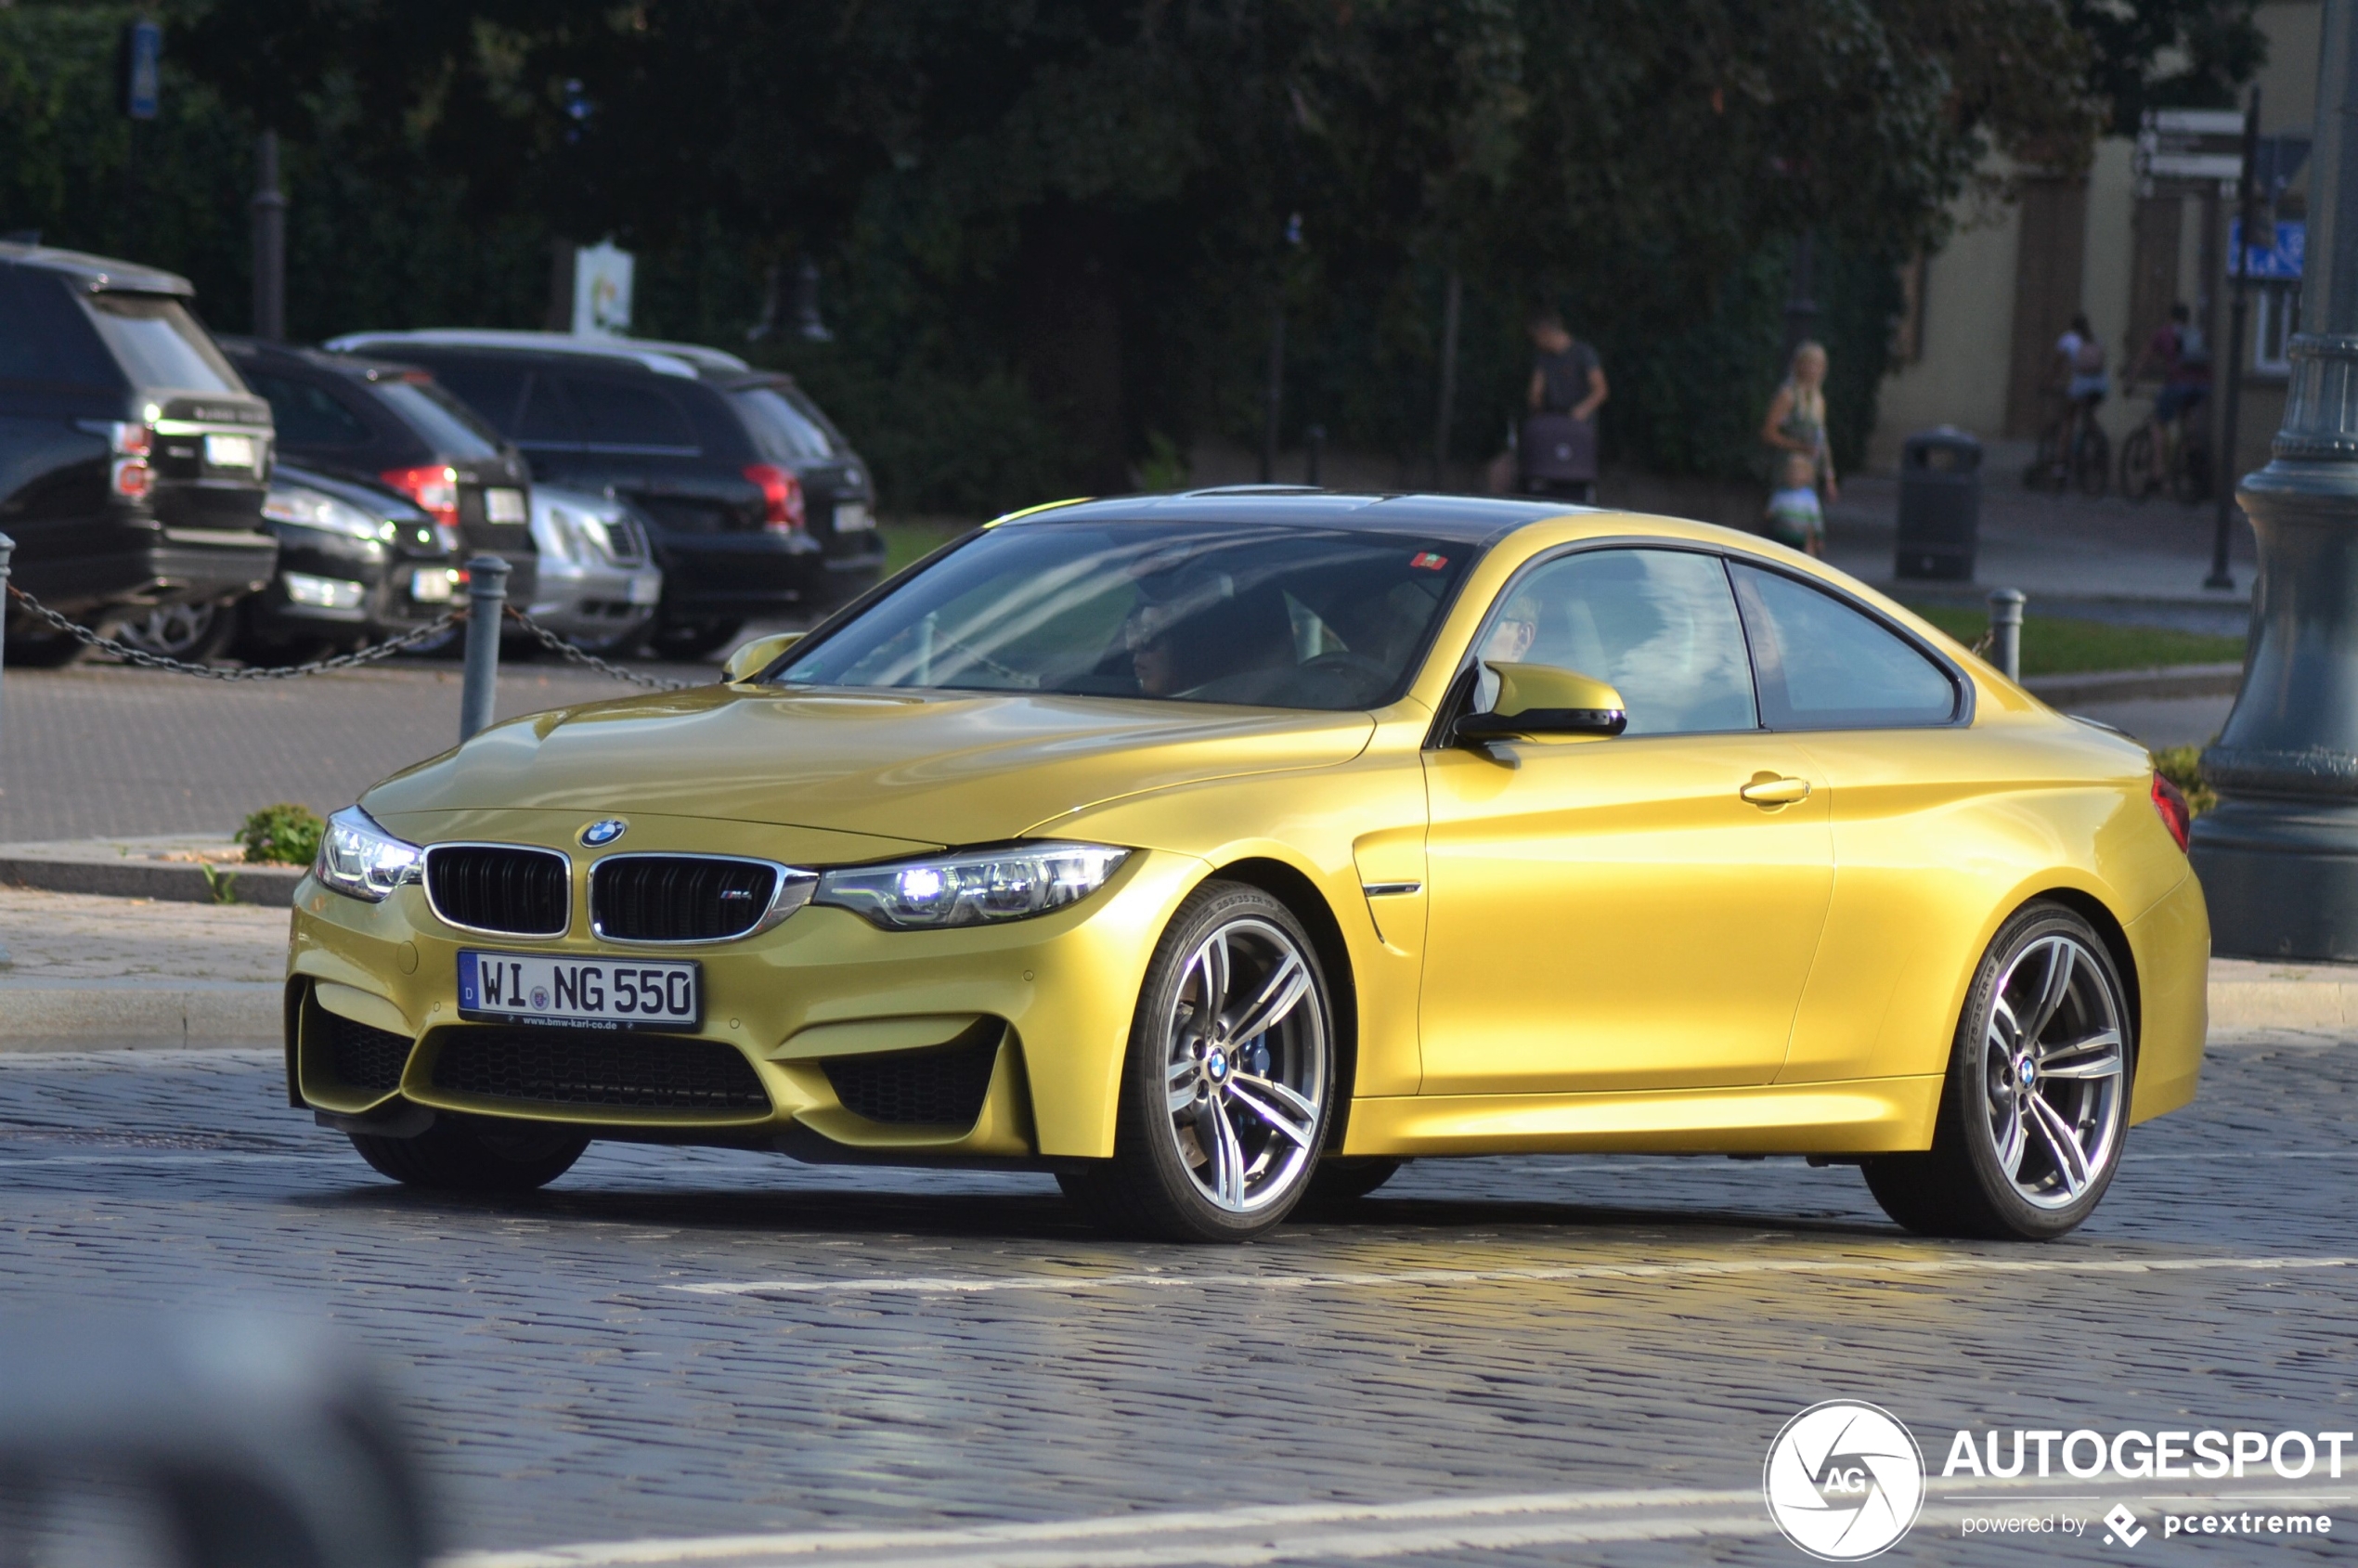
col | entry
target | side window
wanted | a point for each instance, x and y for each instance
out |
(1824, 666)
(547, 420)
(307, 415)
(619, 413)
(1660, 625)
(42, 338)
(496, 392)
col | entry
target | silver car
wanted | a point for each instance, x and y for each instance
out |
(599, 586)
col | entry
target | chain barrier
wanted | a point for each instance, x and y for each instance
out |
(146, 660)
(432, 632)
(589, 660)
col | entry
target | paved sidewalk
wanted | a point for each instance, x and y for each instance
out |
(86, 971)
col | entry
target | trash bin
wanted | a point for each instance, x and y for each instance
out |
(1939, 504)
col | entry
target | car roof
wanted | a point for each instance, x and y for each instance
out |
(361, 366)
(1473, 519)
(663, 357)
(98, 274)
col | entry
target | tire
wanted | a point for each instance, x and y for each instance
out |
(191, 633)
(690, 640)
(2035, 1108)
(2140, 470)
(459, 1155)
(1339, 1182)
(1218, 1130)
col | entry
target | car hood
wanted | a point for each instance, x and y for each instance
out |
(931, 768)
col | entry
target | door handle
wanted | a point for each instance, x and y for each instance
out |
(1775, 791)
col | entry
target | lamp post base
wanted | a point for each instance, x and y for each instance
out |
(2281, 878)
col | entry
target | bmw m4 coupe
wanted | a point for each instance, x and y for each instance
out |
(1216, 850)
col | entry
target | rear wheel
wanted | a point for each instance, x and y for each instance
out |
(1225, 1086)
(1340, 1181)
(2036, 1106)
(191, 633)
(459, 1155)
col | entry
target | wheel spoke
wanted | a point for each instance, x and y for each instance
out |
(1286, 987)
(2011, 1142)
(2062, 1144)
(1212, 959)
(1286, 1113)
(1227, 1157)
(2097, 1056)
(2061, 957)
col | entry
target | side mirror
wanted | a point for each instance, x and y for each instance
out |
(752, 658)
(1537, 699)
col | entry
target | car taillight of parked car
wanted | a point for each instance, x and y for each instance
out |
(435, 487)
(780, 496)
(2176, 815)
(128, 475)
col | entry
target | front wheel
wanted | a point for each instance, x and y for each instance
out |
(1228, 1081)
(459, 1155)
(191, 633)
(2036, 1106)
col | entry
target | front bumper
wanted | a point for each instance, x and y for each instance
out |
(595, 599)
(1048, 1000)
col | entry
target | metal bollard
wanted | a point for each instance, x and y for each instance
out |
(2006, 632)
(486, 601)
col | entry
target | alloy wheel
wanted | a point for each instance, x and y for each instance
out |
(1245, 1065)
(2054, 1069)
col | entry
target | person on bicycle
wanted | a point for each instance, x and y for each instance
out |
(2080, 355)
(2177, 353)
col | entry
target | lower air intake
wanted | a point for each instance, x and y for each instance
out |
(938, 1088)
(633, 1071)
(362, 1057)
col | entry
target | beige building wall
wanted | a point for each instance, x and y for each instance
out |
(1960, 379)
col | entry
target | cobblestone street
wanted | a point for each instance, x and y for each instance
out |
(687, 1345)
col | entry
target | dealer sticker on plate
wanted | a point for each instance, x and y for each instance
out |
(525, 988)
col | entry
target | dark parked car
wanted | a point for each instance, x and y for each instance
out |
(762, 509)
(132, 459)
(358, 563)
(390, 424)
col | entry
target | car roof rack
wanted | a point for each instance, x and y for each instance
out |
(665, 358)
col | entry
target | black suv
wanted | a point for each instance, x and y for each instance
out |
(133, 461)
(389, 425)
(762, 509)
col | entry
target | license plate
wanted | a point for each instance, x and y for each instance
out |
(432, 585)
(503, 506)
(851, 518)
(228, 451)
(579, 994)
(646, 588)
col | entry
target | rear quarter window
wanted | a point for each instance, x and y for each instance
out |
(44, 337)
(629, 414)
(1821, 665)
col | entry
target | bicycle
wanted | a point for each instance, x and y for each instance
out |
(2089, 467)
(2187, 471)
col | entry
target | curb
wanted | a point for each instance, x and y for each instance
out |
(2138, 685)
(269, 886)
(83, 1015)
(2255, 995)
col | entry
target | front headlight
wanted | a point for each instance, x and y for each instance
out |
(309, 509)
(1013, 881)
(362, 861)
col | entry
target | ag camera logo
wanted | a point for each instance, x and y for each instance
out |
(1844, 1481)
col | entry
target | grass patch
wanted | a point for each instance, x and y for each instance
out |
(2057, 645)
(911, 540)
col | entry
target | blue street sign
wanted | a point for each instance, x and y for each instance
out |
(142, 49)
(2281, 260)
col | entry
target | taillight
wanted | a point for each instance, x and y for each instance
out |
(132, 478)
(781, 498)
(432, 487)
(2175, 815)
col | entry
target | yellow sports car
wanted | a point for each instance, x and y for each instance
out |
(1220, 849)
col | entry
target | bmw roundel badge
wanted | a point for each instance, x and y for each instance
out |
(603, 833)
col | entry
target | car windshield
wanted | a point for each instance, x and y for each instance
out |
(441, 420)
(784, 432)
(1182, 612)
(160, 345)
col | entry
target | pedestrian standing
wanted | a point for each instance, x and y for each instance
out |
(1796, 422)
(1794, 517)
(1557, 450)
